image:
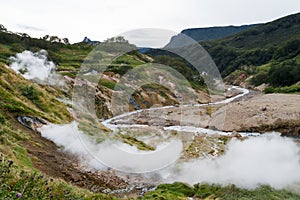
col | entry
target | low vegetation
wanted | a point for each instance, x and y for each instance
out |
(17, 183)
(206, 191)
(19, 96)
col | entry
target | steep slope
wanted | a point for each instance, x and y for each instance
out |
(275, 33)
(212, 33)
(268, 49)
(27, 161)
(31, 166)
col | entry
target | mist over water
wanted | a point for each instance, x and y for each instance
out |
(111, 153)
(268, 159)
(35, 66)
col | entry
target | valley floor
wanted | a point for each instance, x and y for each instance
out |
(252, 112)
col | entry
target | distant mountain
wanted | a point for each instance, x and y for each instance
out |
(270, 53)
(276, 40)
(211, 33)
(273, 33)
(144, 49)
(89, 41)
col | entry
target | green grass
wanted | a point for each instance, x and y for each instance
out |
(286, 89)
(19, 96)
(16, 183)
(107, 83)
(135, 142)
(206, 191)
(128, 59)
(264, 68)
(21, 155)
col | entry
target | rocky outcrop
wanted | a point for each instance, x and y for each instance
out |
(33, 123)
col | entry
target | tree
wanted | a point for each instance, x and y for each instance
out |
(46, 37)
(118, 39)
(54, 39)
(66, 41)
(284, 74)
(2, 28)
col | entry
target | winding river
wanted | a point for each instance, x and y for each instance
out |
(116, 127)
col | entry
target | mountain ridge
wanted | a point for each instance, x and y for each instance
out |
(215, 32)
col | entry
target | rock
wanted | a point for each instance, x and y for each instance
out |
(261, 87)
(235, 134)
(232, 92)
(264, 109)
(33, 123)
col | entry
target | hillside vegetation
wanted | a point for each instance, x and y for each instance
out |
(212, 33)
(275, 45)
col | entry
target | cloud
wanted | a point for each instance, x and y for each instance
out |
(30, 28)
(154, 38)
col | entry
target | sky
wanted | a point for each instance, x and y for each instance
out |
(101, 19)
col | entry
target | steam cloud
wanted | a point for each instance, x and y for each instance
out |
(35, 66)
(113, 154)
(268, 159)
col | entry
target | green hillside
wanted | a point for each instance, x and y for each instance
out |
(211, 33)
(271, 34)
(275, 44)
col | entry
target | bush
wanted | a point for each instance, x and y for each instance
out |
(287, 89)
(30, 93)
(259, 79)
(284, 74)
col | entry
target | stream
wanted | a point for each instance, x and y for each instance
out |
(192, 129)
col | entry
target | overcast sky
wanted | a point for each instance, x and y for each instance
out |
(100, 19)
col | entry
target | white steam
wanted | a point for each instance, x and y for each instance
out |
(114, 154)
(35, 66)
(269, 159)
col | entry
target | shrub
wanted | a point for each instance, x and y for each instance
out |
(30, 93)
